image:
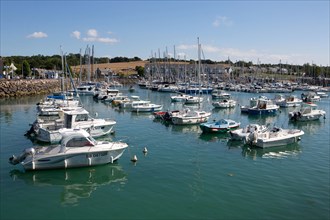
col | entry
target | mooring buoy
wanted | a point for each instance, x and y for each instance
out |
(145, 150)
(134, 158)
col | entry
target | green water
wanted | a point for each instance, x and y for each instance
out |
(185, 175)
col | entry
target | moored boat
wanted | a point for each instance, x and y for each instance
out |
(287, 101)
(146, 107)
(220, 94)
(264, 107)
(241, 133)
(189, 117)
(225, 103)
(274, 137)
(310, 97)
(307, 112)
(220, 126)
(179, 97)
(77, 149)
(165, 115)
(49, 130)
(193, 100)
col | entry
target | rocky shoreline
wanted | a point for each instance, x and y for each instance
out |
(17, 88)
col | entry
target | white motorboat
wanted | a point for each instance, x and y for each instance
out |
(49, 130)
(167, 88)
(287, 101)
(189, 117)
(220, 94)
(310, 97)
(146, 107)
(53, 104)
(179, 98)
(133, 100)
(274, 137)
(307, 112)
(87, 88)
(241, 133)
(322, 94)
(120, 99)
(77, 149)
(224, 103)
(253, 102)
(193, 100)
(109, 95)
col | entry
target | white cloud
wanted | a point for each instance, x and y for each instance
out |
(210, 49)
(100, 39)
(92, 33)
(181, 55)
(76, 34)
(219, 54)
(93, 36)
(187, 47)
(37, 35)
(107, 40)
(222, 21)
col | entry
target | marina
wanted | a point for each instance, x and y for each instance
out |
(185, 174)
(106, 114)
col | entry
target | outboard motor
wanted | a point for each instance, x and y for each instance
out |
(28, 151)
(30, 132)
(96, 96)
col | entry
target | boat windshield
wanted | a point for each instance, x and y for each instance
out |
(80, 142)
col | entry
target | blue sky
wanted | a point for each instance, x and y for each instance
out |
(293, 32)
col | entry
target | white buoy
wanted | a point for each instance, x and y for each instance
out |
(134, 158)
(145, 150)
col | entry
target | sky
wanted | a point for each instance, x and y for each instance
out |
(292, 32)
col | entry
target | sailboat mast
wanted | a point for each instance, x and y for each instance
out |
(63, 71)
(92, 65)
(199, 65)
(80, 72)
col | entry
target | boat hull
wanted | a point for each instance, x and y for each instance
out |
(307, 117)
(206, 129)
(276, 143)
(262, 111)
(73, 160)
(147, 109)
(265, 141)
(188, 121)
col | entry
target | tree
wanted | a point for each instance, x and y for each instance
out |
(26, 69)
(140, 70)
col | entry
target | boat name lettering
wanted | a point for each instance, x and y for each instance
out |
(97, 154)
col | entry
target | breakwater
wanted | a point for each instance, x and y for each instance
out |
(17, 88)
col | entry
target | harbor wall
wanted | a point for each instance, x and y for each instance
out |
(17, 88)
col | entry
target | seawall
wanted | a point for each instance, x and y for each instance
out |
(16, 88)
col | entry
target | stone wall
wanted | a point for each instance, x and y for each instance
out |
(16, 88)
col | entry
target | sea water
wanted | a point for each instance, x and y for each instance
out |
(184, 175)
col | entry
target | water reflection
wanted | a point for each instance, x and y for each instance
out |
(10, 106)
(77, 183)
(148, 115)
(224, 111)
(311, 127)
(214, 137)
(263, 119)
(185, 128)
(280, 152)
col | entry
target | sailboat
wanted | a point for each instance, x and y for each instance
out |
(192, 116)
